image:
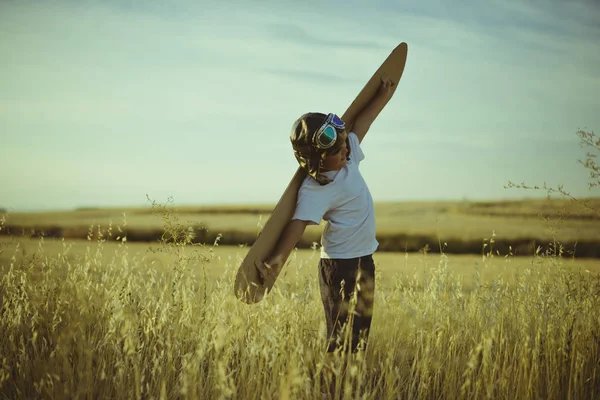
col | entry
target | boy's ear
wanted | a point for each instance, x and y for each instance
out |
(349, 148)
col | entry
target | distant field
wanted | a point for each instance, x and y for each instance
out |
(464, 226)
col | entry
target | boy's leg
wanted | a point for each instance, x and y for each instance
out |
(364, 303)
(337, 280)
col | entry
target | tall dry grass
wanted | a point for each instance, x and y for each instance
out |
(81, 327)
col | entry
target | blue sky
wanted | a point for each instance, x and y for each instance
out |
(104, 102)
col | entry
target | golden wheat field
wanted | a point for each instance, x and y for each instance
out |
(115, 319)
(519, 226)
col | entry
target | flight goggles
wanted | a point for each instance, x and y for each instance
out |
(327, 134)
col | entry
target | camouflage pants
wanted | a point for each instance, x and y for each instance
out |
(345, 307)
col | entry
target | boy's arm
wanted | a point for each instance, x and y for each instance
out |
(371, 111)
(288, 240)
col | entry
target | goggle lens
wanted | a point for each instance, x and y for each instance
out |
(328, 136)
(337, 122)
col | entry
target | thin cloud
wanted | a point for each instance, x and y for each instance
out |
(294, 33)
(304, 75)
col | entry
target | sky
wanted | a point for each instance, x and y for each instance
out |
(106, 103)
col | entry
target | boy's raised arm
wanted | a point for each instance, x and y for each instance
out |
(371, 111)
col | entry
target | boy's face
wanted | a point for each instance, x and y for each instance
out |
(338, 160)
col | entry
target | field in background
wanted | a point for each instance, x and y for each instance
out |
(517, 227)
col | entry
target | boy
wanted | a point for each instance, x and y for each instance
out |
(335, 191)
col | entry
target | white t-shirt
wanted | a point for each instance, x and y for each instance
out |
(345, 204)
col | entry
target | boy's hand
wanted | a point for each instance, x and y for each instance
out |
(269, 268)
(366, 117)
(385, 89)
(275, 262)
